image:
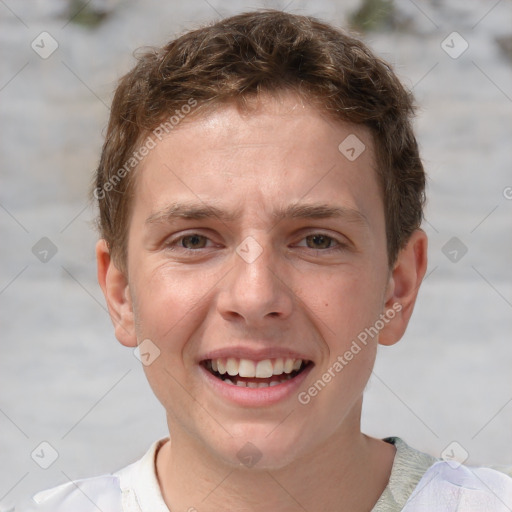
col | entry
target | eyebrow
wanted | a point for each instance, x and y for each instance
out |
(190, 211)
(198, 211)
(321, 211)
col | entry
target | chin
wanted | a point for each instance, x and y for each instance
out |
(257, 450)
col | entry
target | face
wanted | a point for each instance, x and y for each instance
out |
(256, 257)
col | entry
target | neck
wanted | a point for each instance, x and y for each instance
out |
(345, 473)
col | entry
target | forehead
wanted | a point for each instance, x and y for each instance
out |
(280, 151)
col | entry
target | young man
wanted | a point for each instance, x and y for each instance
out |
(260, 194)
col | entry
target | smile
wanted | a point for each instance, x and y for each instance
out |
(255, 374)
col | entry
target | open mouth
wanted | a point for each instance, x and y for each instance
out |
(255, 374)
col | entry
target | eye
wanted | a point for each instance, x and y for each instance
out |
(191, 245)
(194, 241)
(319, 241)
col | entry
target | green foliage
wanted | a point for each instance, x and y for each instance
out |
(373, 15)
(82, 12)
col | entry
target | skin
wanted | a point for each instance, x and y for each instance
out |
(308, 294)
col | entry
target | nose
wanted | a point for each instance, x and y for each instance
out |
(255, 290)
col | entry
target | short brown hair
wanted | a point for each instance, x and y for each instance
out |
(263, 52)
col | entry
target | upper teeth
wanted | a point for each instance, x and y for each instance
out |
(260, 369)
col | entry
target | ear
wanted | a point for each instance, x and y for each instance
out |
(404, 283)
(114, 284)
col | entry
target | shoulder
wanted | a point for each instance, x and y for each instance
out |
(86, 495)
(409, 466)
(122, 491)
(422, 483)
(450, 487)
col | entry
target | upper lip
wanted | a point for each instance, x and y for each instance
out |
(253, 354)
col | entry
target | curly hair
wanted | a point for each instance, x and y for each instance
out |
(237, 59)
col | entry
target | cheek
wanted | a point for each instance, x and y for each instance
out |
(345, 302)
(168, 307)
(167, 303)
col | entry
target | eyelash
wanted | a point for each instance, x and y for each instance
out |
(338, 245)
(173, 243)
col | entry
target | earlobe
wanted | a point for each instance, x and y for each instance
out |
(403, 287)
(114, 285)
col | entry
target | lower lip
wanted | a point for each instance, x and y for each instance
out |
(255, 397)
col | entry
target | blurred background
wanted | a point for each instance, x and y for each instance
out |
(74, 402)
